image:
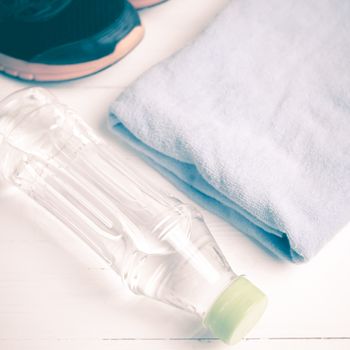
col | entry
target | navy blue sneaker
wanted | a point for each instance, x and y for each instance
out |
(69, 39)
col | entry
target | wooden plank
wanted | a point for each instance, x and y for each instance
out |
(171, 344)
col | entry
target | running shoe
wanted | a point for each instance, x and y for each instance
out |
(68, 39)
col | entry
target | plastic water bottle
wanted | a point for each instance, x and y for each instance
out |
(159, 246)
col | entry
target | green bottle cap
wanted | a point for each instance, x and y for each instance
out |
(236, 311)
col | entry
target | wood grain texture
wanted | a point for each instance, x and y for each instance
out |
(56, 294)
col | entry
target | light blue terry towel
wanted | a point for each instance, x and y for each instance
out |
(252, 120)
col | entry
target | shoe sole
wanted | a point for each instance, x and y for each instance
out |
(45, 73)
(141, 4)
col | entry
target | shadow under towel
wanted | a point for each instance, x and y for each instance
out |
(252, 120)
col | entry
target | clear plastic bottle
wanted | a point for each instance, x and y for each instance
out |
(159, 246)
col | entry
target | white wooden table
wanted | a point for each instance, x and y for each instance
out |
(56, 294)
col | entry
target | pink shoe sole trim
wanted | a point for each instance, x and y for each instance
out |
(44, 72)
(139, 4)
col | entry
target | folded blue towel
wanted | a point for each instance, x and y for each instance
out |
(252, 120)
